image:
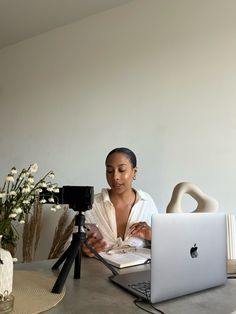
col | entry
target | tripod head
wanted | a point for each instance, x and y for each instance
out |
(80, 198)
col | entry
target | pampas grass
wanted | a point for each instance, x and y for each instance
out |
(31, 231)
(62, 234)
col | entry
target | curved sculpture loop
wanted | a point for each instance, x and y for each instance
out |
(205, 203)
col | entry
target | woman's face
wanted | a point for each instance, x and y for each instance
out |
(119, 172)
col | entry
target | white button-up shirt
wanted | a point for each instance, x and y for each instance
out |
(103, 214)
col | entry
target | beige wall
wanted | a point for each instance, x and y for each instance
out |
(157, 76)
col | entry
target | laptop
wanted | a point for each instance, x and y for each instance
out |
(188, 254)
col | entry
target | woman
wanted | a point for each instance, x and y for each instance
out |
(122, 213)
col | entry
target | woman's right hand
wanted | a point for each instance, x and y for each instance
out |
(99, 245)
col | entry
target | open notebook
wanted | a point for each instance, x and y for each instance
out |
(188, 254)
(127, 256)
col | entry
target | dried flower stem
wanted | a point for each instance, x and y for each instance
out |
(31, 233)
(61, 235)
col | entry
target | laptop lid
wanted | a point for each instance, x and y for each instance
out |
(188, 254)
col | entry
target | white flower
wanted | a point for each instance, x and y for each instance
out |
(13, 215)
(42, 201)
(51, 199)
(26, 202)
(43, 184)
(22, 221)
(50, 188)
(33, 168)
(39, 190)
(13, 170)
(53, 209)
(57, 206)
(30, 179)
(51, 175)
(13, 193)
(56, 190)
(26, 189)
(2, 194)
(10, 178)
(17, 210)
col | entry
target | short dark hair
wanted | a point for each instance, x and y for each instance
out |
(123, 150)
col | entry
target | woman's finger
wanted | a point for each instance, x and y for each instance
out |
(98, 245)
(138, 226)
(141, 229)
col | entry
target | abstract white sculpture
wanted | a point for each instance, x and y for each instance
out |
(205, 203)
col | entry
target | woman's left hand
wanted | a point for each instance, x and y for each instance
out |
(141, 229)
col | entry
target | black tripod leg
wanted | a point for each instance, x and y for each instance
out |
(100, 258)
(57, 288)
(62, 258)
(77, 266)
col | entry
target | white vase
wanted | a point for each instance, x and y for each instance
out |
(6, 270)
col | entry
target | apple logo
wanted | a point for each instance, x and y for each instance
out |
(193, 251)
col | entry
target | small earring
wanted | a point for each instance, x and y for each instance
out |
(134, 178)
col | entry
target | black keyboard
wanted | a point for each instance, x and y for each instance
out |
(143, 287)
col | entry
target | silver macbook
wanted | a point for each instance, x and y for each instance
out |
(188, 254)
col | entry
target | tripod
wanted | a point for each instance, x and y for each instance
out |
(73, 253)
